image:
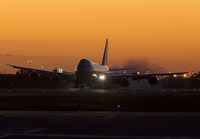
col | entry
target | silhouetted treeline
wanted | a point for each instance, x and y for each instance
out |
(23, 79)
(26, 81)
(181, 83)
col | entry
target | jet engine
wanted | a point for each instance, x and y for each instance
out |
(124, 82)
(152, 80)
(33, 75)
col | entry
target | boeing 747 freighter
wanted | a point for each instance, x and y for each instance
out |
(92, 75)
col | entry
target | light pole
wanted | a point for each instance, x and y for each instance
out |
(29, 62)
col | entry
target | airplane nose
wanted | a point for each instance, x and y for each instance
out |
(84, 65)
(84, 61)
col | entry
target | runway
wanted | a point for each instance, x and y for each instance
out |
(140, 100)
(40, 125)
(99, 92)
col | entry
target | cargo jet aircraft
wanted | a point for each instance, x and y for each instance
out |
(92, 75)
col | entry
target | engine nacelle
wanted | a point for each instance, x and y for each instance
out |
(34, 76)
(124, 82)
(152, 80)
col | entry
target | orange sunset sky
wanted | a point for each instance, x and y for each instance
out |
(57, 33)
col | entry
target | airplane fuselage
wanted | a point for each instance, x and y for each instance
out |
(86, 71)
(85, 65)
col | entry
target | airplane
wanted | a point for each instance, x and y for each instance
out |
(93, 75)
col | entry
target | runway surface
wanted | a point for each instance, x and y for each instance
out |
(141, 100)
(40, 125)
(99, 92)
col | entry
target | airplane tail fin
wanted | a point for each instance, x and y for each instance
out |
(105, 54)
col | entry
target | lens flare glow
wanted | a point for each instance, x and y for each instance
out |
(102, 77)
(94, 75)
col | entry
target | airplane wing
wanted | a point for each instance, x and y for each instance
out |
(68, 74)
(144, 76)
(116, 69)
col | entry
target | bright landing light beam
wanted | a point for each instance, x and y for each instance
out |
(102, 77)
(94, 75)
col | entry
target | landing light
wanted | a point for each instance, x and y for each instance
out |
(59, 70)
(102, 77)
(94, 75)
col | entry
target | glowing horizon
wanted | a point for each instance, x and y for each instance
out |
(166, 32)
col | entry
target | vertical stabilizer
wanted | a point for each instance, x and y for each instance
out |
(105, 54)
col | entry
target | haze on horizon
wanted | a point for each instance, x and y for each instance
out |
(166, 32)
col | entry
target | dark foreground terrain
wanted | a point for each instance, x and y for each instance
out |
(52, 114)
(56, 125)
(101, 100)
